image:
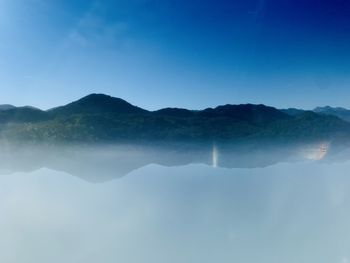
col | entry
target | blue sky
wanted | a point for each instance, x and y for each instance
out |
(193, 54)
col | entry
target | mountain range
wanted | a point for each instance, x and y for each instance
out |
(99, 118)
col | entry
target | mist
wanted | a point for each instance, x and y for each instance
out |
(126, 203)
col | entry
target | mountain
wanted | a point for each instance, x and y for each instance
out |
(96, 104)
(307, 126)
(342, 113)
(6, 107)
(22, 114)
(257, 114)
(293, 111)
(98, 118)
(175, 112)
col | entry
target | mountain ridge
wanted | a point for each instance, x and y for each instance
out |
(95, 103)
(340, 112)
(102, 118)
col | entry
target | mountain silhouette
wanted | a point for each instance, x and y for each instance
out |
(96, 104)
(339, 112)
(99, 118)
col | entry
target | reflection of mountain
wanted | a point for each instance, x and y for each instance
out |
(101, 118)
(103, 163)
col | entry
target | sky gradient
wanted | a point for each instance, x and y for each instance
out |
(159, 53)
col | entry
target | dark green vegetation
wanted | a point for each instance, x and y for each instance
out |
(338, 111)
(101, 118)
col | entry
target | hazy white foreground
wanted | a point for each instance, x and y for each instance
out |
(286, 212)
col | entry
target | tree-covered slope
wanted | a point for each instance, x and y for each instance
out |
(101, 118)
(96, 104)
(339, 112)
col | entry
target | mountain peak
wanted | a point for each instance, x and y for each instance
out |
(256, 113)
(96, 96)
(329, 108)
(97, 103)
(6, 107)
(340, 112)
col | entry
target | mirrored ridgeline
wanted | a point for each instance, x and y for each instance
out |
(261, 203)
(99, 163)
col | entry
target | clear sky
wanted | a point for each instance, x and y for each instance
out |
(179, 53)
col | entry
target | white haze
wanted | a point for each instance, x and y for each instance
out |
(286, 212)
